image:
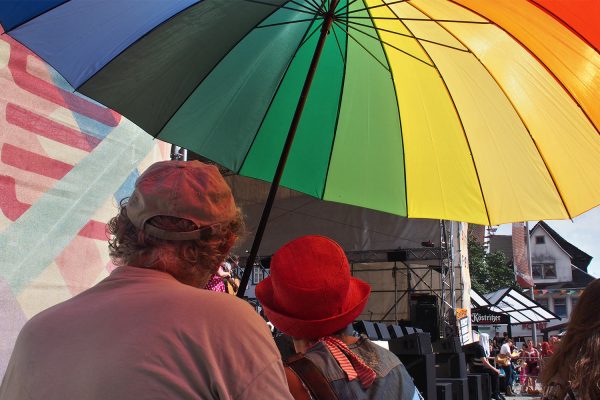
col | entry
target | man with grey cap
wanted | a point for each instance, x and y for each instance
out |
(148, 331)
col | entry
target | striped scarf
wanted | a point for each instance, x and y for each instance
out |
(350, 363)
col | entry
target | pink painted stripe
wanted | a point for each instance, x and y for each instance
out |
(18, 68)
(43, 126)
(33, 162)
(11, 207)
(94, 230)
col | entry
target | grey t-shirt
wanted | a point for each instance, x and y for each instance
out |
(141, 334)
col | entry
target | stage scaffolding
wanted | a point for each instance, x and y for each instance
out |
(425, 270)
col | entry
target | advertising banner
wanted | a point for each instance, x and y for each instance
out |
(484, 316)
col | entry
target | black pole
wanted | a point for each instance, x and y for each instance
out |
(327, 21)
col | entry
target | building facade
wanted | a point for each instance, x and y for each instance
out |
(559, 271)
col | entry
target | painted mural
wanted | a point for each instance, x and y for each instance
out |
(65, 163)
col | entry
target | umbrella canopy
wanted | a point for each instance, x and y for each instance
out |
(482, 112)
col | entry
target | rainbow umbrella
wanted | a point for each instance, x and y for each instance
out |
(478, 111)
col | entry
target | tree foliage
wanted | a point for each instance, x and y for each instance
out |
(489, 271)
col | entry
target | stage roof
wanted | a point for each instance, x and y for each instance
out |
(519, 307)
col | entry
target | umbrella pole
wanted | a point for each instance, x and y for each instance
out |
(327, 22)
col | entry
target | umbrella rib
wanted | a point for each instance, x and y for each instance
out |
(391, 45)
(339, 47)
(519, 115)
(427, 20)
(363, 47)
(459, 119)
(279, 6)
(285, 23)
(318, 7)
(376, 6)
(315, 9)
(408, 36)
(340, 12)
(339, 108)
(300, 44)
(307, 38)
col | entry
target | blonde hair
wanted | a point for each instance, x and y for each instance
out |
(577, 359)
(129, 246)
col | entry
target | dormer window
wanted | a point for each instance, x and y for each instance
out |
(543, 270)
(540, 240)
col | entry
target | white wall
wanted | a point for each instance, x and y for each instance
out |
(549, 252)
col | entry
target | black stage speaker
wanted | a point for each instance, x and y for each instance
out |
(475, 389)
(444, 391)
(460, 387)
(413, 344)
(422, 369)
(424, 314)
(451, 365)
(395, 331)
(382, 331)
(486, 385)
(367, 328)
(448, 345)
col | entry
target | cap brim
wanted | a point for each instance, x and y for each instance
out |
(356, 300)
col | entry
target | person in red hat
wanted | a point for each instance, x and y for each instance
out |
(310, 296)
(149, 330)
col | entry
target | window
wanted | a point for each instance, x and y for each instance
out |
(256, 275)
(540, 240)
(543, 270)
(549, 271)
(560, 307)
(543, 302)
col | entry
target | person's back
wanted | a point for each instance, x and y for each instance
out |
(142, 334)
(148, 331)
(311, 297)
(392, 380)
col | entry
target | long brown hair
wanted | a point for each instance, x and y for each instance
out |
(129, 246)
(577, 359)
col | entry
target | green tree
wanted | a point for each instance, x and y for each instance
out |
(489, 271)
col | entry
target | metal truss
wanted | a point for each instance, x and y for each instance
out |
(419, 265)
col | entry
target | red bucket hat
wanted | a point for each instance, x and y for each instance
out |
(310, 293)
(189, 190)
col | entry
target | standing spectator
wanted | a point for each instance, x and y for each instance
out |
(311, 297)
(546, 350)
(573, 371)
(522, 365)
(148, 331)
(531, 357)
(496, 342)
(506, 354)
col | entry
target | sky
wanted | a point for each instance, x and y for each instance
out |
(582, 232)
